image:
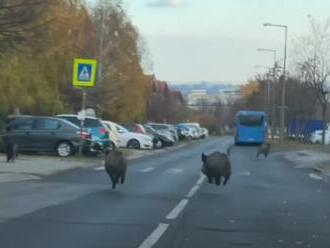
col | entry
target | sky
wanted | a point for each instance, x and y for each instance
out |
(216, 40)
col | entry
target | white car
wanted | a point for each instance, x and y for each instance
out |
(113, 133)
(132, 140)
(197, 132)
(205, 132)
(316, 137)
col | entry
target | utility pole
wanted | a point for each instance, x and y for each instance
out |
(283, 88)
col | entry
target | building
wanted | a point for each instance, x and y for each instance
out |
(227, 95)
(197, 97)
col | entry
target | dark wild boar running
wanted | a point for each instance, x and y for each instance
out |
(215, 167)
(115, 166)
(263, 149)
(11, 149)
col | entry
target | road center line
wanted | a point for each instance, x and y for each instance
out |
(193, 191)
(174, 171)
(147, 169)
(99, 168)
(177, 210)
(314, 176)
(154, 236)
(201, 180)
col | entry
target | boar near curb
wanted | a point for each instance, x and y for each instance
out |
(11, 150)
(215, 167)
(115, 166)
(263, 149)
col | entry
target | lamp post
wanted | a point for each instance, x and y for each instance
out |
(282, 107)
(270, 90)
(268, 50)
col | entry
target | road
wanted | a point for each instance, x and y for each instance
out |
(166, 203)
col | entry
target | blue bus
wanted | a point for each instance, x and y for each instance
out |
(251, 127)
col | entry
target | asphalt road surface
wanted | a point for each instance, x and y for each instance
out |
(166, 203)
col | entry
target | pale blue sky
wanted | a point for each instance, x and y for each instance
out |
(216, 40)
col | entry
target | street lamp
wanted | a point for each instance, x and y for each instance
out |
(268, 50)
(282, 109)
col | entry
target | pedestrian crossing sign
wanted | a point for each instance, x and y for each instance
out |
(84, 72)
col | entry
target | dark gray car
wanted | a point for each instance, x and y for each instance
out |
(43, 134)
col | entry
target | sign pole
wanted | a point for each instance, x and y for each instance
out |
(83, 107)
(84, 74)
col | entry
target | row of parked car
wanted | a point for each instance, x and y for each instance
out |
(66, 133)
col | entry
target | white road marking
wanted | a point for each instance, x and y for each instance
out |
(147, 169)
(174, 171)
(177, 210)
(245, 173)
(201, 180)
(99, 168)
(152, 239)
(193, 191)
(314, 176)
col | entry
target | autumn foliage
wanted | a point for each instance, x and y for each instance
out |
(36, 68)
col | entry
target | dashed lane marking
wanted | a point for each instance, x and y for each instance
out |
(177, 210)
(174, 171)
(314, 176)
(149, 169)
(152, 239)
(193, 191)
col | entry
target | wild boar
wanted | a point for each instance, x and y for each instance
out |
(263, 149)
(215, 166)
(115, 166)
(229, 148)
(11, 149)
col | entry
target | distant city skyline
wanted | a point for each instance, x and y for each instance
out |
(210, 40)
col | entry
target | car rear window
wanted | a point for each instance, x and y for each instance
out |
(92, 123)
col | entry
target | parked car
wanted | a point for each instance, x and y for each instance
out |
(160, 139)
(184, 132)
(316, 137)
(196, 130)
(165, 128)
(134, 127)
(100, 138)
(133, 140)
(113, 132)
(44, 134)
(205, 133)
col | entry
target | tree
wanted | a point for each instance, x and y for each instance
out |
(17, 20)
(313, 62)
(122, 83)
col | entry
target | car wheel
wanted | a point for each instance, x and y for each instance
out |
(133, 144)
(159, 144)
(64, 149)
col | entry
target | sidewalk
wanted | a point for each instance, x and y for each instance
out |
(317, 160)
(36, 167)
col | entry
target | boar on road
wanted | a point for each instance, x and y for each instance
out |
(216, 166)
(115, 166)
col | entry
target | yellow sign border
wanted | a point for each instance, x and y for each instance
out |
(76, 64)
